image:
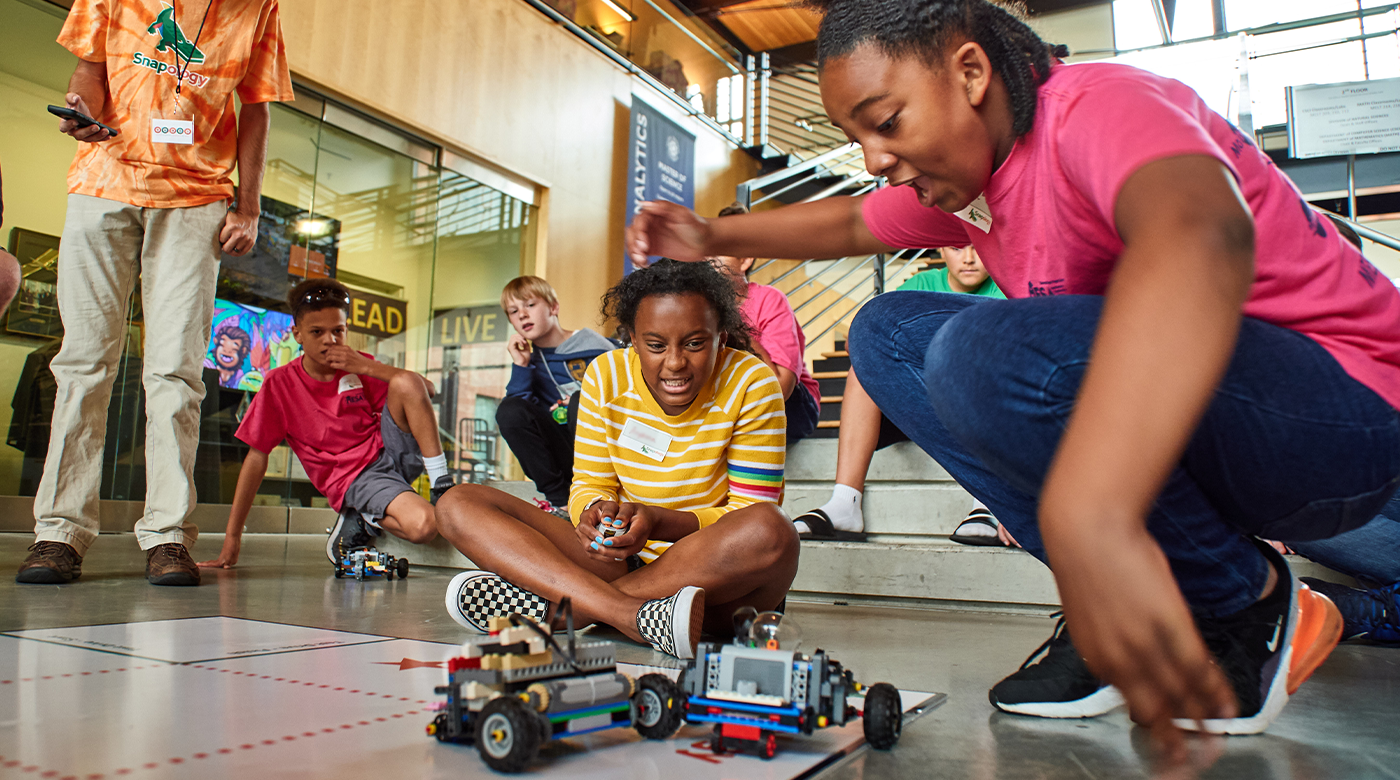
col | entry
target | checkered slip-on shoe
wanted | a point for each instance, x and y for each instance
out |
(672, 625)
(474, 597)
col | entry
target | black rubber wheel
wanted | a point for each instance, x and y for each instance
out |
(507, 736)
(717, 741)
(770, 746)
(339, 573)
(402, 568)
(659, 707)
(883, 717)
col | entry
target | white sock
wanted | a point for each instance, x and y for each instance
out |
(437, 467)
(843, 509)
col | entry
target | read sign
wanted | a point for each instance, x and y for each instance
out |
(470, 325)
(1357, 117)
(376, 315)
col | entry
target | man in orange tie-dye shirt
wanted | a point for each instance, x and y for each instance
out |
(153, 200)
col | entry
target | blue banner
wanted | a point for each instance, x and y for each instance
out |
(660, 163)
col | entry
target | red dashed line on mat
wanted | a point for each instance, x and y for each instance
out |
(256, 676)
(177, 760)
(79, 674)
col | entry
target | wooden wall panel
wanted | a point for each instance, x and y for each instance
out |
(497, 79)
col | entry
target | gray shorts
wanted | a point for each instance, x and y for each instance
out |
(387, 476)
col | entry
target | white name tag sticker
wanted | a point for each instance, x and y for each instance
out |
(977, 214)
(350, 382)
(640, 437)
(172, 131)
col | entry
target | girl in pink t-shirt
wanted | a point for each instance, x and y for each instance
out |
(1245, 367)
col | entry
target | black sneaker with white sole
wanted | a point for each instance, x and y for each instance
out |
(1059, 685)
(1268, 649)
(443, 484)
(348, 533)
(672, 625)
(474, 597)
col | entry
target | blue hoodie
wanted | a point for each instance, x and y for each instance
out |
(557, 373)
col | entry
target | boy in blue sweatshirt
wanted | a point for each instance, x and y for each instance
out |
(548, 372)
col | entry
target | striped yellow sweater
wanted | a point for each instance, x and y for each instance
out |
(726, 451)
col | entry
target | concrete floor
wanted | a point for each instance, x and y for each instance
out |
(1342, 724)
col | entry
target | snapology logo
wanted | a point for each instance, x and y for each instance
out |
(172, 37)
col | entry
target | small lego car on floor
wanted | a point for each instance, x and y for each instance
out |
(361, 562)
(760, 687)
(517, 688)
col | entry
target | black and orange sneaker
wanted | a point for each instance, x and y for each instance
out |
(1268, 649)
(50, 563)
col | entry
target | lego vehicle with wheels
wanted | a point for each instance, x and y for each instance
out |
(361, 562)
(760, 687)
(510, 692)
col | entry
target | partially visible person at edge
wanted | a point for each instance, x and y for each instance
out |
(537, 415)
(864, 429)
(156, 199)
(778, 339)
(9, 266)
(1245, 371)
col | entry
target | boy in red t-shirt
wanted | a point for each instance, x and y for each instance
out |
(362, 430)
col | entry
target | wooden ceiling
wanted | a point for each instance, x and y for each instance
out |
(765, 25)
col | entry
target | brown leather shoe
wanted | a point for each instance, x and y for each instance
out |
(50, 563)
(171, 564)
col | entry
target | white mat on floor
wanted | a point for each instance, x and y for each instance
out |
(285, 703)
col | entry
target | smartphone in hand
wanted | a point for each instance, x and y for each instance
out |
(83, 120)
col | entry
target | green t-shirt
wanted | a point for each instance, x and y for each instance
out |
(936, 280)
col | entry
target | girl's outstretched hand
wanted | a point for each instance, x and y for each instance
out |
(1131, 624)
(666, 229)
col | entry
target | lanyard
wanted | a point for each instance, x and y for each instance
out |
(550, 371)
(180, 72)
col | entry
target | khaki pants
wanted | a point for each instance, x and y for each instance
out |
(106, 244)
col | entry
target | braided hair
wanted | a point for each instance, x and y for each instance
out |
(672, 277)
(924, 28)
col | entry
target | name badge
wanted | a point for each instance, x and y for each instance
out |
(350, 382)
(640, 437)
(977, 214)
(172, 131)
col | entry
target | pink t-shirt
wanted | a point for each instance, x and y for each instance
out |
(1052, 204)
(333, 426)
(767, 311)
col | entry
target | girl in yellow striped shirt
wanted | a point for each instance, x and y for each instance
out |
(679, 453)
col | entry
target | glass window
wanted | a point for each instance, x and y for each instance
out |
(344, 196)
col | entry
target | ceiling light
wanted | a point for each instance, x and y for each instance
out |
(623, 12)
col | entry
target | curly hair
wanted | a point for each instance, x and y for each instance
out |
(317, 294)
(924, 28)
(672, 277)
(232, 332)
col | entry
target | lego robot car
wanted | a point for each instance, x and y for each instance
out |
(510, 692)
(361, 562)
(760, 687)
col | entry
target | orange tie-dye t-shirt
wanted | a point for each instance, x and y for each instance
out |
(240, 50)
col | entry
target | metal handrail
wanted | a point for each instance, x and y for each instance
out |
(802, 167)
(1375, 236)
(834, 284)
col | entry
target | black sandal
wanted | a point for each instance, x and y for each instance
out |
(823, 530)
(978, 517)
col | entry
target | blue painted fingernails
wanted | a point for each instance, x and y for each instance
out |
(607, 543)
(594, 545)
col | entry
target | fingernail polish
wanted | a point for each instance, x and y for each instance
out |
(594, 545)
(597, 538)
(607, 543)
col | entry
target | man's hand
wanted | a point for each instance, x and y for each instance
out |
(240, 233)
(90, 133)
(1133, 628)
(343, 358)
(228, 556)
(519, 348)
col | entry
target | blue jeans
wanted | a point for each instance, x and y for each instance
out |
(1370, 553)
(1291, 447)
